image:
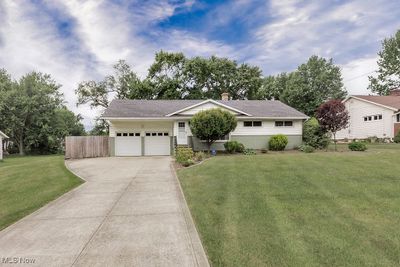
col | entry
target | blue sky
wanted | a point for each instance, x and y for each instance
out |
(77, 40)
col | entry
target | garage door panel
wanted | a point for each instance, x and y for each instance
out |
(128, 146)
(157, 145)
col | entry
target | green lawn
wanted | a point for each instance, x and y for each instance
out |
(296, 209)
(28, 183)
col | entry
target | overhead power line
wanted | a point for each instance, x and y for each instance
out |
(359, 76)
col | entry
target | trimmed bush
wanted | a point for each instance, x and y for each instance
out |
(183, 155)
(234, 146)
(314, 136)
(397, 138)
(357, 146)
(306, 148)
(212, 124)
(278, 142)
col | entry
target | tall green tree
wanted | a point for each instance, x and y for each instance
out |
(176, 77)
(388, 67)
(273, 86)
(313, 83)
(124, 83)
(28, 109)
(166, 75)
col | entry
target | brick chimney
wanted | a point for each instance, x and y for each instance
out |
(395, 92)
(225, 96)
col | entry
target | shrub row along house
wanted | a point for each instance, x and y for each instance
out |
(155, 127)
(372, 116)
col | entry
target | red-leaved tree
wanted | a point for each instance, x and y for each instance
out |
(333, 117)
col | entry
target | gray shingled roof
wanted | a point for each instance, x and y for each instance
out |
(161, 108)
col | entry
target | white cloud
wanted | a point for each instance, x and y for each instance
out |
(355, 75)
(190, 45)
(31, 43)
(297, 30)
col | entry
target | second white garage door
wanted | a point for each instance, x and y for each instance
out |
(157, 144)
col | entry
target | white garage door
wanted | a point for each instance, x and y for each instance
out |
(157, 144)
(128, 144)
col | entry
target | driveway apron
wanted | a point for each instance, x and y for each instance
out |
(130, 212)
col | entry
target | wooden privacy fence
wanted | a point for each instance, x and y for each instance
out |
(78, 147)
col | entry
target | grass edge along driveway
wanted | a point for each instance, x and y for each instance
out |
(295, 209)
(28, 183)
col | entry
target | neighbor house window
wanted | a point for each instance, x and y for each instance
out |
(398, 117)
(252, 123)
(368, 118)
(283, 123)
(373, 117)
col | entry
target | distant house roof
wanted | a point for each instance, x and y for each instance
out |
(390, 101)
(163, 108)
(3, 135)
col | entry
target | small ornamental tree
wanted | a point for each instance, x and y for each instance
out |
(211, 125)
(333, 117)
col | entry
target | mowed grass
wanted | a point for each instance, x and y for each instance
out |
(28, 183)
(296, 209)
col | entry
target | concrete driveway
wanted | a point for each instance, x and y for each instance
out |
(130, 212)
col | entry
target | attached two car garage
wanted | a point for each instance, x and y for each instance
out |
(149, 143)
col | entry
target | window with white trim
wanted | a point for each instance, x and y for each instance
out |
(283, 123)
(376, 117)
(398, 117)
(157, 134)
(127, 134)
(252, 123)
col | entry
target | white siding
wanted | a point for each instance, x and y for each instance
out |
(205, 106)
(140, 126)
(359, 129)
(1, 147)
(268, 128)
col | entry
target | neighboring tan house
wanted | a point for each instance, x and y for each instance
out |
(372, 116)
(2, 136)
(155, 127)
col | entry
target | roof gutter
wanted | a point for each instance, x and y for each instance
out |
(189, 117)
(3, 135)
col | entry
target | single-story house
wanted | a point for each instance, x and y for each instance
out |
(372, 116)
(2, 136)
(155, 127)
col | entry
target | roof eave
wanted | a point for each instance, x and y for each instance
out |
(188, 117)
(204, 102)
(3, 135)
(371, 102)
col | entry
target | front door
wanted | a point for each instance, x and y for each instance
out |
(182, 136)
